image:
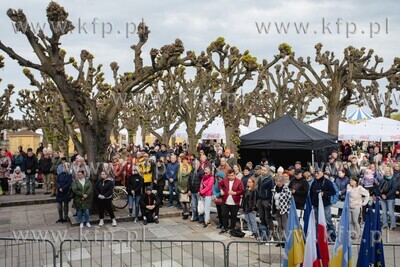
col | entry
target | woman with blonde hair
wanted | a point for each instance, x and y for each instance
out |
(359, 196)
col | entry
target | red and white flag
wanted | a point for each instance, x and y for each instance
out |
(322, 234)
(310, 254)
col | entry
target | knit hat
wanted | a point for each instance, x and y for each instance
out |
(280, 169)
(17, 169)
(148, 188)
(221, 174)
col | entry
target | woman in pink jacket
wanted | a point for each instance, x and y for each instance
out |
(359, 196)
(206, 190)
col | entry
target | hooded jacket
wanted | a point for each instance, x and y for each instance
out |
(135, 183)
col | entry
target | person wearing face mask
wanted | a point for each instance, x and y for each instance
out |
(342, 181)
(104, 189)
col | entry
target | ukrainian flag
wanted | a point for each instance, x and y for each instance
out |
(294, 246)
(342, 252)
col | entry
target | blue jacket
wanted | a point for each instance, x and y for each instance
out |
(342, 186)
(172, 171)
(322, 185)
(216, 191)
(264, 188)
(391, 194)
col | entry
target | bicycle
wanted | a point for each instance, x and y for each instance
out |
(120, 197)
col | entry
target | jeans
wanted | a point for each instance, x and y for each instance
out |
(354, 224)
(250, 218)
(195, 201)
(329, 224)
(30, 180)
(173, 188)
(85, 213)
(135, 199)
(388, 206)
(207, 206)
(229, 212)
(62, 211)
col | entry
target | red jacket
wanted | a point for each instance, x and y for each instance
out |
(237, 187)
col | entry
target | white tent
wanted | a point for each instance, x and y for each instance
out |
(216, 130)
(376, 129)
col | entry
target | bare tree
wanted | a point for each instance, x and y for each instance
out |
(5, 100)
(235, 69)
(195, 99)
(334, 84)
(89, 99)
(381, 105)
(282, 93)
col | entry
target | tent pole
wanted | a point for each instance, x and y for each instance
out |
(312, 157)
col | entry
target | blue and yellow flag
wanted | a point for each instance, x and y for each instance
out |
(342, 252)
(307, 213)
(294, 246)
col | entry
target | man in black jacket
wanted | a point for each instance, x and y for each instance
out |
(150, 205)
(30, 167)
(194, 185)
(299, 189)
(159, 174)
(45, 165)
(265, 185)
(325, 187)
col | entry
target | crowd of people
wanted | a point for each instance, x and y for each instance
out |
(210, 178)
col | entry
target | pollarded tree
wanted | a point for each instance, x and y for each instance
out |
(376, 99)
(47, 108)
(335, 82)
(5, 100)
(89, 99)
(157, 110)
(195, 99)
(284, 92)
(235, 69)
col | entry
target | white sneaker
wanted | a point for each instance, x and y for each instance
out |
(101, 223)
(88, 225)
(114, 223)
(81, 225)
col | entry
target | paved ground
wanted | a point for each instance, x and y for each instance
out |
(170, 243)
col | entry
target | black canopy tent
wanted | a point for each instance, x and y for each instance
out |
(287, 134)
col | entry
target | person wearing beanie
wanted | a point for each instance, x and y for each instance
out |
(150, 206)
(280, 170)
(359, 197)
(134, 187)
(217, 197)
(230, 159)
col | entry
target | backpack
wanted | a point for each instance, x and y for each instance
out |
(236, 233)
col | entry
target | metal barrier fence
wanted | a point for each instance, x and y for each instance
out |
(142, 253)
(33, 252)
(254, 253)
(27, 252)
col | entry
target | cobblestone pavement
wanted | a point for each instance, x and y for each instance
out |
(39, 221)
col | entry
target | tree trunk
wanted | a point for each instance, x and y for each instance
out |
(131, 134)
(144, 133)
(192, 137)
(334, 110)
(232, 138)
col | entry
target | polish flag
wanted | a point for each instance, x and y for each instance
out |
(310, 254)
(322, 234)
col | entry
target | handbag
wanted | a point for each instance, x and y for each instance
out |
(200, 206)
(184, 197)
(218, 201)
(385, 187)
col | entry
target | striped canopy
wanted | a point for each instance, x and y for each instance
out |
(359, 115)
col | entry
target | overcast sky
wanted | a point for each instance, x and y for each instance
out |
(197, 23)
